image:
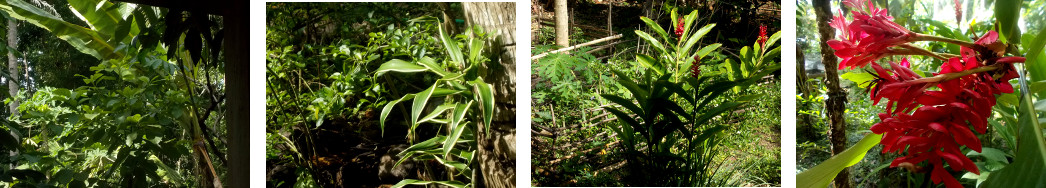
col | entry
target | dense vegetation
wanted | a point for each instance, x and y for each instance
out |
(369, 94)
(992, 51)
(675, 101)
(113, 95)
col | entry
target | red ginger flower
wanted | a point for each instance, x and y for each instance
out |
(679, 29)
(695, 69)
(868, 36)
(943, 120)
(762, 36)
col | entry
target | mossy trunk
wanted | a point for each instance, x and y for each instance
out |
(836, 102)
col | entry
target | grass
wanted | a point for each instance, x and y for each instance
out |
(753, 144)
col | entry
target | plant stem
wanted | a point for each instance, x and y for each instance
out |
(912, 50)
(949, 76)
(925, 37)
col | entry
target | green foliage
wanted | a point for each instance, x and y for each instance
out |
(460, 85)
(823, 174)
(140, 106)
(671, 112)
(1031, 151)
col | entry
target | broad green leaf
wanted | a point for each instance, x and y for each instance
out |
(388, 108)
(1006, 14)
(169, 172)
(83, 39)
(459, 114)
(990, 154)
(653, 42)
(822, 174)
(1026, 169)
(485, 95)
(456, 128)
(1036, 70)
(435, 113)
(708, 49)
(451, 46)
(454, 184)
(625, 103)
(475, 50)
(651, 63)
(397, 65)
(630, 122)
(431, 65)
(420, 100)
(103, 16)
(696, 37)
(657, 28)
(861, 78)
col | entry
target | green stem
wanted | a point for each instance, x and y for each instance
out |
(950, 76)
(925, 37)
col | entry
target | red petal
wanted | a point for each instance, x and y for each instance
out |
(966, 137)
(938, 127)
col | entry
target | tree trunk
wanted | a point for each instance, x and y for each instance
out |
(12, 83)
(562, 27)
(836, 101)
(12, 64)
(806, 126)
(497, 148)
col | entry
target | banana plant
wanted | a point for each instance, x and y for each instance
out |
(669, 111)
(467, 106)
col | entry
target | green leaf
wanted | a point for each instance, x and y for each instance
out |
(990, 154)
(103, 16)
(420, 100)
(456, 128)
(653, 42)
(863, 79)
(388, 108)
(485, 95)
(85, 40)
(822, 174)
(696, 37)
(1006, 14)
(1026, 169)
(431, 65)
(651, 63)
(708, 49)
(436, 112)
(625, 103)
(451, 46)
(455, 184)
(1037, 69)
(397, 65)
(657, 28)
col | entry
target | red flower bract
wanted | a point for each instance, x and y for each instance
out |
(868, 37)
(762, 36)
(926, 119)
(695, 69)
(679, 29)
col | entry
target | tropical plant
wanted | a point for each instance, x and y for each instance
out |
(665, 130)
(143, 105)
(931, 121)
(464, 105)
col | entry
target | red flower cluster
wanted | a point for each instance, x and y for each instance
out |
(941, 119)
(695, 69)
(762, 36)
(679, 29)
(868, 36)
